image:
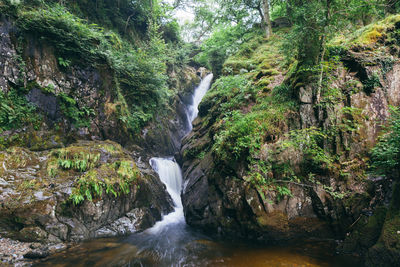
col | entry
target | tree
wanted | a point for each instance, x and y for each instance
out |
(247, 9)
(266, 18)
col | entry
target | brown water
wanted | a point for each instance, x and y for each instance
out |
(171, 242)
(188, 248)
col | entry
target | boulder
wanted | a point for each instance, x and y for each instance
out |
(37, 191)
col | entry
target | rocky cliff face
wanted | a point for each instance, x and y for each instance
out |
(58, 181)
(33, 65)
(163, 137)
(219, 197)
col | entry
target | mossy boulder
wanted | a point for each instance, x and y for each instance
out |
(69, 194)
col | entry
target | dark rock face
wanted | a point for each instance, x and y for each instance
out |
(281, 22)
(47, 103)
(36, 206)
(163, 136)
(223, 203)
(91, 87)
(217, 198)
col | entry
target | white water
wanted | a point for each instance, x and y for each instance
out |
(171, 175)
(198, 95)
(170, 172)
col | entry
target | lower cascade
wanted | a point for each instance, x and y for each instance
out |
(170, 174)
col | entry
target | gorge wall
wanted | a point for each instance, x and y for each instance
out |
(64, 175)
(301, 170)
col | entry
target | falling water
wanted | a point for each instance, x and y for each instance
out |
(171, 175)
(170, 242)
(199, 93)
(169, 171)
(166, 239)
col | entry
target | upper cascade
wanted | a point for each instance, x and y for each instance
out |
(199, 93)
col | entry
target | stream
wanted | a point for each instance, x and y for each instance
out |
(171, 242)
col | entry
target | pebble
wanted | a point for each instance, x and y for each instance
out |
(12, 252)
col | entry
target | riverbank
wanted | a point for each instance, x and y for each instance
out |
(12, 252)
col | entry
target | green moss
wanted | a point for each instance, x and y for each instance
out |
(369, 35)
(80, 116)
(48, 89)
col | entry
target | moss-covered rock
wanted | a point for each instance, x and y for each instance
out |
(276, 157)
(71, 193)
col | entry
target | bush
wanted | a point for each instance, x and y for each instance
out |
(386, 154)
(16, 111)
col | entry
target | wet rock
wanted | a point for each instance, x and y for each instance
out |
(35, 195)
(37, 254)
(218, 198)
(305, 95)
(281, 22)
(47, 103)
(163, 136)
(12, 251)
(32, 234)
(386, 250)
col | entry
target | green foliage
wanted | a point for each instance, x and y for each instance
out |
(16, 111)
(79, 116)
(371, 83)
(241, 136)
(140, 73)
(352, 119)
(246, 121)
(386, 154)
(309, 141)
(64, 62)
(228, 93)
(81, 162)
(90, 185)
(370, 35)
(72, 36)
(224, 42)
(48, 89)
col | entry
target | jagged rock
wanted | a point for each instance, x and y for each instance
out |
(281, 22)
(35, 196)
(91, 87)
(218, 199)
(163, 136)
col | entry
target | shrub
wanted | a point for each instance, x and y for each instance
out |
(16, 111)
(386, 154)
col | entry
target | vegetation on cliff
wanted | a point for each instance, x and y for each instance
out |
(135, 44)
(305, 102)
(257, 108)
(303, 108)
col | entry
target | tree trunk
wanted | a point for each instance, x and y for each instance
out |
(267, 18)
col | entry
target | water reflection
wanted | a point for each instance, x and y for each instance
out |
(189, 248)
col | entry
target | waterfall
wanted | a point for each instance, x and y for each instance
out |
(169, 171)
(171, 175)
(199, 93)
